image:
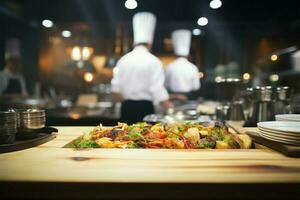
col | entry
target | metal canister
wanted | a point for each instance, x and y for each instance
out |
(8, 126)
(236, 111)
(283, 103)
(263, 104)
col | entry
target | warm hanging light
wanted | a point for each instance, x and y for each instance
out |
(274, 77)
(202, 21)
(88, 77)
(196, 31)
(79, 53)
(215, 4)
(86, 53)
(274, 57)
(131, 4)
(218, 79)
(246, 76)
(201, 75)
(66, 33)
(47, 23)
(76, 53)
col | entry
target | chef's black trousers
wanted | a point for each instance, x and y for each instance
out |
(133, 111)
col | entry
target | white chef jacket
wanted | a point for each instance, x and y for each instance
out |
(182, 76)
(139, 75)
(5, 75)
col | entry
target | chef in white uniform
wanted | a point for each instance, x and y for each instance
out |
(138, 76)
(182, 76)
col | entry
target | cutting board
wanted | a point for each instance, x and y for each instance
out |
(288, 150)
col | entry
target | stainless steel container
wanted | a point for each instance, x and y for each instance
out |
(266, 102)
(8, 126)
(283, 103)
(263, 101)
(30, 121)
(236, 111)
(222, 113)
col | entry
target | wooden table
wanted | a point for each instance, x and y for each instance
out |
(50, 171)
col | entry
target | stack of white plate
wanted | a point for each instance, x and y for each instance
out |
(288, 117)
(287, 132)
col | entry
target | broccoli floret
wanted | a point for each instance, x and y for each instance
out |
(180, 129)
(217, 133)
(80, 143)
(207, 143)
(132, 145)
(227, 138)
(135, 133)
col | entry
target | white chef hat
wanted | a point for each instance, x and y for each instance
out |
(143, 27)
(181, 40)
(12, 48)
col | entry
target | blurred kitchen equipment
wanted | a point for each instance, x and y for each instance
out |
(228, 89)
(283, 100)
(193, 110)
(176, 115)
(222, 113)
(267, 101)
(236, 111)
(295, 103)
(30, 121)
(168, 118)
(23, 103)
(263, 99)
(296, 60)
(207, 107)
(87, 100)
(288, 117)
(153, 118)
(8, 126)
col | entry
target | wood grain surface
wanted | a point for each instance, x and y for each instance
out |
(52, 163)
(50, 171)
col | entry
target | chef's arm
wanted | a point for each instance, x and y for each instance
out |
(166, 104)
(159, 92)
(196, 81)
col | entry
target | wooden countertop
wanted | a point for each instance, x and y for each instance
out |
(50, 164)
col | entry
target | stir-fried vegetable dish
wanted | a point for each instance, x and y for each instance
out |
(170, 136)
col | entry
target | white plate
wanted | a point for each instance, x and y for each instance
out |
(279, 140)
(288, 117)
(284, 126)
(297, 135)
(280, 135)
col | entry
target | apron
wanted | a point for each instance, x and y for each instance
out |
(13, 87)
(134, 111)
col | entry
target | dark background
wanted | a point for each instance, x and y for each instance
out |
(247, 31)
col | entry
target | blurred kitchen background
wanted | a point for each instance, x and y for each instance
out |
(69, 48)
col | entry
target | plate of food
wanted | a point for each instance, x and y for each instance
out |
(178, 135)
